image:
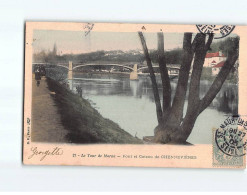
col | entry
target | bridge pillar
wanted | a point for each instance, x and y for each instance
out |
(133, 74)
(70, 75)
(70, 72)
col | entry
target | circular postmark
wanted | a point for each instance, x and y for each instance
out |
(220, 31)
(230, 138)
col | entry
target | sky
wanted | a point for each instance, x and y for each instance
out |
(75, 42)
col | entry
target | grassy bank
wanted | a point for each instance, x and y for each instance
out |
(84, 123)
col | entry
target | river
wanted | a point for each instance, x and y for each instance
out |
(131, 104)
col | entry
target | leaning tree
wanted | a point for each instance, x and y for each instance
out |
(173, 125)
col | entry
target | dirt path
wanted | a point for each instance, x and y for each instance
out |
(46, 121)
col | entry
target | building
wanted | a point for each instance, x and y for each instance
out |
(216, 68)
(213, 59)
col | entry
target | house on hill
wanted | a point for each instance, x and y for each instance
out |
(213, 59)
(216, 68)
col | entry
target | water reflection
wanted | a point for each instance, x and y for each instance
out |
(131, 103)
(226, 100)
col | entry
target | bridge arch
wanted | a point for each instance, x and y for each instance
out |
(119, 65)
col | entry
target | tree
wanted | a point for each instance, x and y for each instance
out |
(224, 45)
(173, 126)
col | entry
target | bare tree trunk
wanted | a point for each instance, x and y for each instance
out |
(200, 54)
(194, 90)
(202, 104)
(170, 130)
(175, 129)
(153, 79)
(164, 77)
(179, 98)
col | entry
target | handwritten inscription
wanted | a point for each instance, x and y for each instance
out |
(43, 154)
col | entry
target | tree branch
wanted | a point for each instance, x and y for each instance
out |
(200, 54)
(209, 41)
(164, 75)
(179, 98)
(194, 43)
(153, 79)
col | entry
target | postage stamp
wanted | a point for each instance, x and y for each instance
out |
(220, 31)
(229, 144)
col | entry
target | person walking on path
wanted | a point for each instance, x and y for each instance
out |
(37, 75)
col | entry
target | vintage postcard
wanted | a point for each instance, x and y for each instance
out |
(143, 95)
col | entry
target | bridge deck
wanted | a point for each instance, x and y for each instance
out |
(124, 65)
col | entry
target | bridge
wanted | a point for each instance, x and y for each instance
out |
(173, 69)
(76, 65)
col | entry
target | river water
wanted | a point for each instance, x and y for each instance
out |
(131, 104)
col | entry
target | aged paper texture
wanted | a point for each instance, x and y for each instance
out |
(145, 95)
